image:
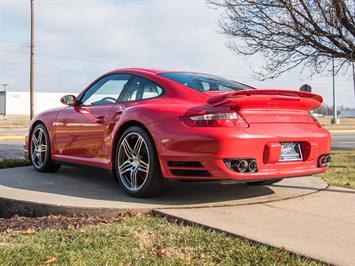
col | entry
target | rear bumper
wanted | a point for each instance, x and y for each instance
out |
(210, 146)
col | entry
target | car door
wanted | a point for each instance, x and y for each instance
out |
(80, 130)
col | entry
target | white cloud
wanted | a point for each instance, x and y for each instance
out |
(114, 34)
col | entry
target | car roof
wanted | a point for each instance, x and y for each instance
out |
(140, 70)
(152, 71)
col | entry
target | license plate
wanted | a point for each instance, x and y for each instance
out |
(291, 151)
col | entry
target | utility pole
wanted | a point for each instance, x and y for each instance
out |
(335, 119)
(353, 78)
(31, 64)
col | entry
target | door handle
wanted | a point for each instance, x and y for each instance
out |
(100, 119)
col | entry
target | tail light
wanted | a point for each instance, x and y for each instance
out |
(225, 119)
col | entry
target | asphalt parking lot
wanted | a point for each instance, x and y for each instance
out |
(343, 141)
(13, 148)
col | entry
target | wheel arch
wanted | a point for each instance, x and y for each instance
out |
(119, 133)
(31, 128)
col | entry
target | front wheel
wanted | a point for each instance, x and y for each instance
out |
(40, 150)
(137, 164)
(264, 182)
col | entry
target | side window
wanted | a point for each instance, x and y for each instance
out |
(141, 89)
(105, 91)
(206, 86)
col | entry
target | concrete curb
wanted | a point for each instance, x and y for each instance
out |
(341, 130)
(12, 137)
(10, 207)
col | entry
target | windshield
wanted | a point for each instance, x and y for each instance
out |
(205, 82)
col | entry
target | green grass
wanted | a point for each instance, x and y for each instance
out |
(139, 240)
(343, 121)
(342, 169)
(9, 163)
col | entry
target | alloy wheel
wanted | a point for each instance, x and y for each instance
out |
(38, 147)
(133, 161)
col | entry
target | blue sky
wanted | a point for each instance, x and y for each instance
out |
(76, 41)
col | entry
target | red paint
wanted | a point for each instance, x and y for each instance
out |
(88, 135)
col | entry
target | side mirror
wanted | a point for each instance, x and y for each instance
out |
(68, 100)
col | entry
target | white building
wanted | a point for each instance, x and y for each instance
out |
(347, 114)
(18, 102)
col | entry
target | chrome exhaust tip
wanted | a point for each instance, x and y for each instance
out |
(324, 160)
(242, 166)
(253, 167)
(329, 158)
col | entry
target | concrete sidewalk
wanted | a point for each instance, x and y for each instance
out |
(83, 191)
(320, 226)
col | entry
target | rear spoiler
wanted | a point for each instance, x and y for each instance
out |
(224, 97)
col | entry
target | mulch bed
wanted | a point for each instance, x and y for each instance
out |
(32, 224)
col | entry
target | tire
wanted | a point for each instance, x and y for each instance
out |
(137, 165)
(264, 182)
(40, 150)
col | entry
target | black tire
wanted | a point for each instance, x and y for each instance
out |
(264, 182)
(47, 163)
(154, 183)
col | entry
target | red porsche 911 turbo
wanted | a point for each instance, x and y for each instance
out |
(149, 126)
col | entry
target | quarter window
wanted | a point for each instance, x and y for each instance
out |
(106, 90)
(141, 89)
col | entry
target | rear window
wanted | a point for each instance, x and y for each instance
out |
(205, 82)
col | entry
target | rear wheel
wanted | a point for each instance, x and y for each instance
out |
(264, 182)
(137, 164)
(40, 150)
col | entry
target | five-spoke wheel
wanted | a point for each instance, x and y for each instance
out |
(38, 147)
(40, 151)
(133, 161)
(137, 165)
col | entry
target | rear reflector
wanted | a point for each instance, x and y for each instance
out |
(183, 172)
(184, 164)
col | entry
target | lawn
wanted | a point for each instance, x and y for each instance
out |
(145, 239)
(342, 169)
(137, 240)
(343, 121)
(9, 163)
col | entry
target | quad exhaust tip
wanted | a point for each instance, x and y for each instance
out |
(253, 167)
(324, 160)
(242, 165)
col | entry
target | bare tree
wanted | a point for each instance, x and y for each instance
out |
(291, 33)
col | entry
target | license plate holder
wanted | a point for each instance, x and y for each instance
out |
(290, 151)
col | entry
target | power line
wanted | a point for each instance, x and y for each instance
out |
(68, 57)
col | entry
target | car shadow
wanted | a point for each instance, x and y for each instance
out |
(100, 185)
